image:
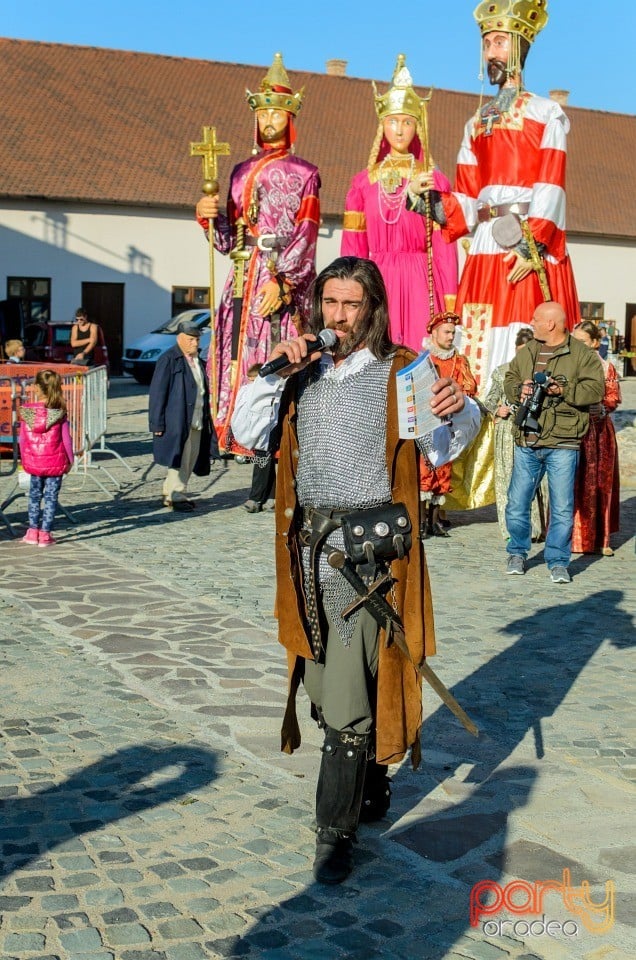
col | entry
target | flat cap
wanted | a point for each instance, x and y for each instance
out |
(190, 328)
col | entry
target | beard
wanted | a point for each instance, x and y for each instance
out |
(346, 345)
(497, 72)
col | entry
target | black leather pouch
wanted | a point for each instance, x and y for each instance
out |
(381, 533)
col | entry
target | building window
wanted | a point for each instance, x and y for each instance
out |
(592, 311)
(187, 298)
(34, 296)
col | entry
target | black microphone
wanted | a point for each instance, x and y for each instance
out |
(325, 340)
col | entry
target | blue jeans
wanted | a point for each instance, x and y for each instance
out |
(49, 489)
(530, 464)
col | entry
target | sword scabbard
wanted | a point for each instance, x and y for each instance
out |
(386, 617)
(537, 262)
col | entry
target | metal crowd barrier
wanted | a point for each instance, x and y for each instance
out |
(9, 393)
(95, 421)
(85, 393)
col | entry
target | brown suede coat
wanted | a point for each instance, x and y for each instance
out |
(399, 709)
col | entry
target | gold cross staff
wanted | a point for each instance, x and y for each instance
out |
(209, 149)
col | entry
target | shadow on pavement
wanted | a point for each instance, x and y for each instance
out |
(127, 782)
(421, 920)
(507, 697)
(510, 694)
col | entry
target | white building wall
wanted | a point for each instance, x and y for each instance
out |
(151, 251)
(605, 274)
(148, 251)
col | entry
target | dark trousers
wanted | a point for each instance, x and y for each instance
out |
(263, 477)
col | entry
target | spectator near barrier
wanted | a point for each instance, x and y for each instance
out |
(46, 450)
(85, 394)
(14, 351)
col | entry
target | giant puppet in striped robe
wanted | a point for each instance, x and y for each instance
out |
(511, 162)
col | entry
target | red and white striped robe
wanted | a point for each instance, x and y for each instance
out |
(522, 160)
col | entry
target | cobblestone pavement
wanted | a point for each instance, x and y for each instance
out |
(148, 815)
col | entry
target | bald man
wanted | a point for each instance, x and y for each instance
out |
(554, 379)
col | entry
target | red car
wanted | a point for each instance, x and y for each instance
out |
(51, 343)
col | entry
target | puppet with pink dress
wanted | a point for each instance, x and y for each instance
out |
(418, 268)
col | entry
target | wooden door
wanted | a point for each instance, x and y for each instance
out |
(104, 303)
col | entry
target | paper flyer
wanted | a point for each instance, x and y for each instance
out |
(415, 418)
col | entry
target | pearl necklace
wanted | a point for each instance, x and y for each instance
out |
(391, 191)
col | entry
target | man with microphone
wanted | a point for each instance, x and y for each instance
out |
(340, 453)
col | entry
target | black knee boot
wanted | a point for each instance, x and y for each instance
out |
(376, 795)
(338, 799)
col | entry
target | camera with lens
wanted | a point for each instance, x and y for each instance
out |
(528, 413)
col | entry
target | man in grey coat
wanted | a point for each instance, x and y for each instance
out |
(179, 416)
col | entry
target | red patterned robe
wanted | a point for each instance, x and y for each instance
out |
(518, 158)
(275, 193)
(436, 482)
(597, 489)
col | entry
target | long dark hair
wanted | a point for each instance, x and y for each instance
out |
(375, 309)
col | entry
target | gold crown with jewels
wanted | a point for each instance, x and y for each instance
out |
(400, 97)
(275, 92)
(525, 18)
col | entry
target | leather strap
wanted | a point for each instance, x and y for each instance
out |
(321, 526)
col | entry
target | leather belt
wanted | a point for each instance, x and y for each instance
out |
(318, 519)
(487, 212)
(266, 241)
(311, 513)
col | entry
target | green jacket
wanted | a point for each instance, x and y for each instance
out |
(563, 420)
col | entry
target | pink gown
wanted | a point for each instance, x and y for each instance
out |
(399, 250)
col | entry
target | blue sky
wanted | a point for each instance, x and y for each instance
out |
(586, 49)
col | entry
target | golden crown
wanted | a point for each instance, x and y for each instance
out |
(268, 98)
(526, 18)
(400, 97)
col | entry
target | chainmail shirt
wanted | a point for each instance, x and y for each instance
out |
(342, 438)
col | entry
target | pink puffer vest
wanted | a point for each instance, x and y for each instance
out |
(41, 442)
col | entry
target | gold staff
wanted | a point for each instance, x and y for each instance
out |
(428, 213)
(209, 149)
(240, 257)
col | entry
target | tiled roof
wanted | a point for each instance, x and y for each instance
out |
(88, 124)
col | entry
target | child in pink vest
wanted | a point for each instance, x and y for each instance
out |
(46, 450)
